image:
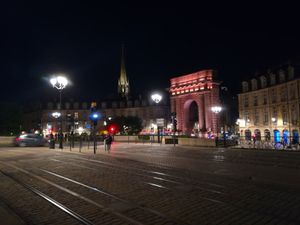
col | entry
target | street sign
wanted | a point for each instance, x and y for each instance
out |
(160, 122)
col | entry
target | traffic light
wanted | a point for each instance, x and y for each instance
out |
(174, 124)
(174, 121)
(95, 117)
(112, 128)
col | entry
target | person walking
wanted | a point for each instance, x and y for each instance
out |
(108, 141)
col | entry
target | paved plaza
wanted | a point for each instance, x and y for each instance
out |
(149, 184)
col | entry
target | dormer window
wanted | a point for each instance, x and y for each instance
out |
(272, 79)
(67, 105)
(103, 105)
(290, 72)
(76, 105)
(281, 76)
(50, 105)
(263, 81)
(254, 84)
(114, 104)
(84, 105)
(245, 86)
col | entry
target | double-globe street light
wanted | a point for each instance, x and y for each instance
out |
(156, 97)
(59, 82)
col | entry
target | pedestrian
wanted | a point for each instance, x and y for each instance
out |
(254, 140)
(108, 141)
(104, 142)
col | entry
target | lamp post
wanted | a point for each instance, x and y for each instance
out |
(52, 139)
(217, 110)
(59, 82)
(156, 97)
(80, 130)
(273, 123)
(56, 115)
(94, 118)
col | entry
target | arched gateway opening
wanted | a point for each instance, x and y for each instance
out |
(191, 113)
(192, 97)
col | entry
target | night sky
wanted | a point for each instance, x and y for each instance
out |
(83, 39)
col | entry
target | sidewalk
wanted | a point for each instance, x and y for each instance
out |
(8, 217)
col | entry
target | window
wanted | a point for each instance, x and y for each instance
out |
(266, 117)
(294, 115)
(247, 118)
(292, 93)
(274, 113)
(265, 101)
(246, 102)
(273, 95)
(283, 94)
(255, 100)
(284, 116)
(256, 117)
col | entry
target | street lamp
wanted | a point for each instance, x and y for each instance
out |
(59, 82)
(56, 114)
(217, 110)
(156, 97)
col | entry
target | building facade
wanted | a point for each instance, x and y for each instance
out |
(192, 97)
(269, 106)
(41, 117)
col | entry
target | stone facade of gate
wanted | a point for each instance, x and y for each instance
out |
(198, 88)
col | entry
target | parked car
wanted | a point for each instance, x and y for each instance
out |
(30, 140)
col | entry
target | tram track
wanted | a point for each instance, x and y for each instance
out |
(261, 208)
(50, 200)
(250, 208)
(156, 175)
(147, 212)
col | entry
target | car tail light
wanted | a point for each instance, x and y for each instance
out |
(18, 139)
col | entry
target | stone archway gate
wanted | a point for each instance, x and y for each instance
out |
(198, 87)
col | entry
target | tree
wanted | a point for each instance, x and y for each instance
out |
(129, 124)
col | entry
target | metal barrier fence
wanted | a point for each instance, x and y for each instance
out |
(267, 145)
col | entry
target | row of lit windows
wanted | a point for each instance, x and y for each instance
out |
(263, 116)
(192, 82)
(189, 90)
(273, 95)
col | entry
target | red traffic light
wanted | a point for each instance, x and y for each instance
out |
(112, 128)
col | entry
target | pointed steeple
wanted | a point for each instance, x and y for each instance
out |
(123, 83)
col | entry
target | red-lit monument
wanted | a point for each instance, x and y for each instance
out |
(192, 97)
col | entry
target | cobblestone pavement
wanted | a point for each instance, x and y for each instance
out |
(150, 184)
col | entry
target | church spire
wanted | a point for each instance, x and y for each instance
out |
(123, 83)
